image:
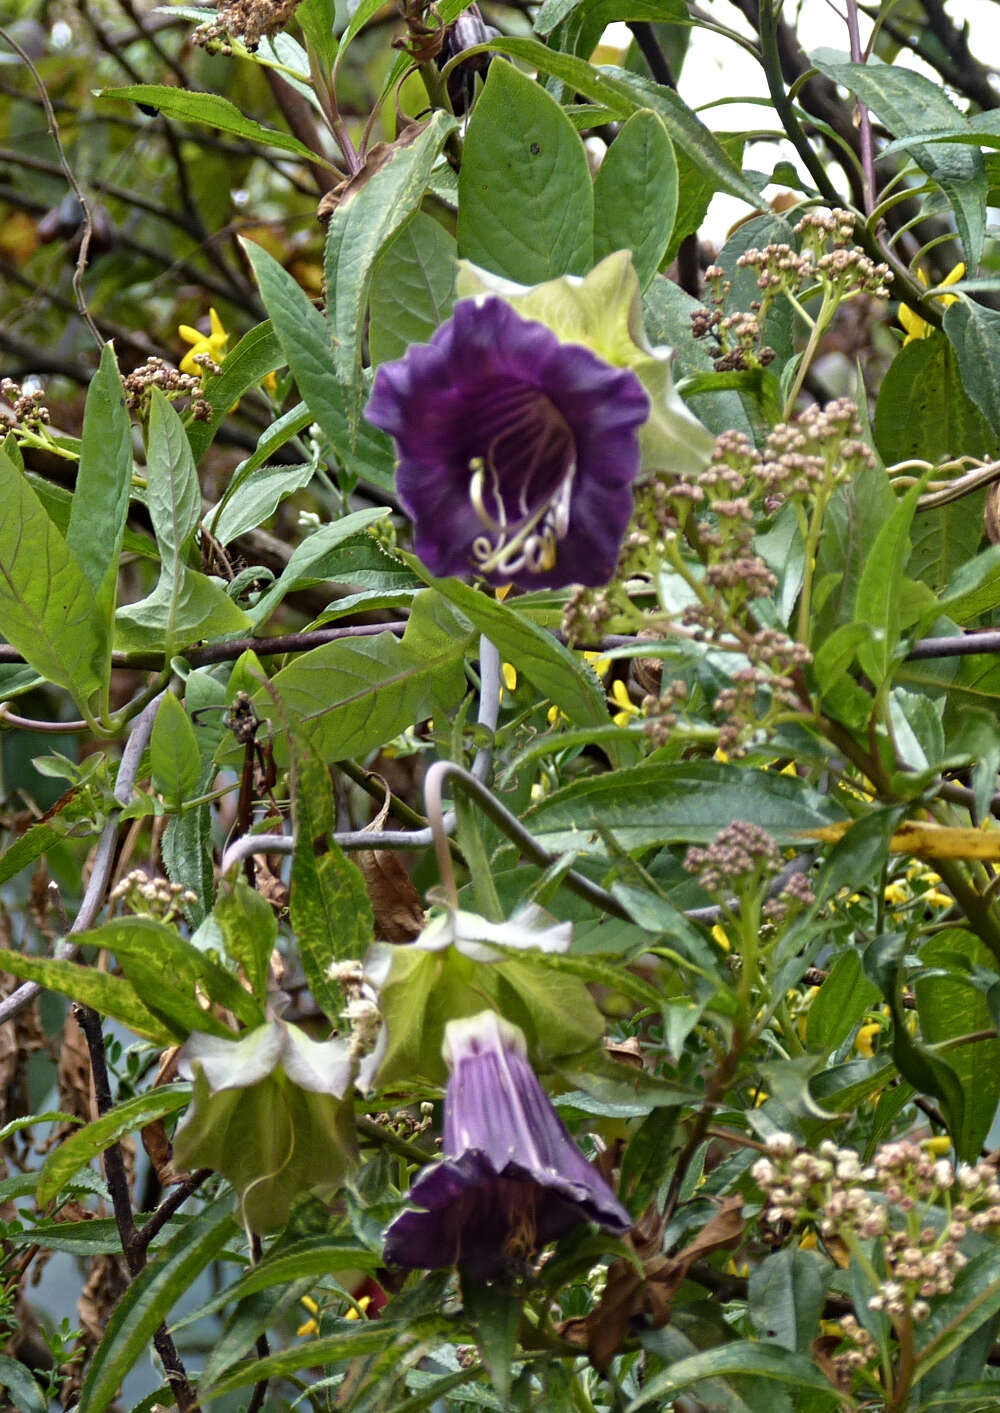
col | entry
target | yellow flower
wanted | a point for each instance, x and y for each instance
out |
(509, 676)
(896, 894)
(555, 714)
(720, 935)
(601, 665)
(629, 710)
(311, 1326)
(917, 327)
(938, 1146)
(214, 344)
(864, 1041)
(937, 898)
(359, 1309)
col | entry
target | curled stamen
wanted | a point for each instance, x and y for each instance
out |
(533, 545)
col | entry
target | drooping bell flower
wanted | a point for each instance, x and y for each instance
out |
(511, 1178)
(271, 1112)
(517, 451)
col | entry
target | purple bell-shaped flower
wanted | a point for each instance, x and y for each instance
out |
(511, 1178)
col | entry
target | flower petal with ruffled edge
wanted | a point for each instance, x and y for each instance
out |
(517, 452)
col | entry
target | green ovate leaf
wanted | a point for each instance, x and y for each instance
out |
(839, 1004)
(910, 103)
(677, 804)
(526, 202)
(635, 195)
(249, 930)
(307, 343)
(111, 996)
(306, 564)
(413, 288)
(625, 93)
(356, 694)
(170, 974)
(360, 227)
(48, 610)
(18, 1382)
(974, 334)
(759, 1361)
(923, 409)
(785, 1298)
(878, 601)
(328, 904)
(950, 1004)
(173, 751)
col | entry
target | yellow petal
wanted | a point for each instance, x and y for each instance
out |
(601, 665)
(510, 676)
(864, 1040)
(936, 898)
(916, 327)
(218, 332)
(939, 1145)
(720, 935)
(188, 365)
(190, 335)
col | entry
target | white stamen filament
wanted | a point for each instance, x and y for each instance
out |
(531, 543)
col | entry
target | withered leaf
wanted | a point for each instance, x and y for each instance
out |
(629, 1295)
(399, 914)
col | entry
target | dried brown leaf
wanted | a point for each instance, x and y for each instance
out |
(628, 1295)
(399, 914)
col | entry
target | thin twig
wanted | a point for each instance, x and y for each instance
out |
(864, 121)
(88, 224)
(262, 1347)
(104, 854)
(172, 1203)
(116, 1178)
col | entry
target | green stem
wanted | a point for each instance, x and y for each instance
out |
(812, 539)
(907, 288)
(823, 319)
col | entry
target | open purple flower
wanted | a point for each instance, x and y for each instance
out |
(511, 1178)
(516, 452)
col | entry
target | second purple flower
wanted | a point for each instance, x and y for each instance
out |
(517, 452)
(511, 1179)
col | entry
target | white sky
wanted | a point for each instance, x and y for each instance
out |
(716, 68)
